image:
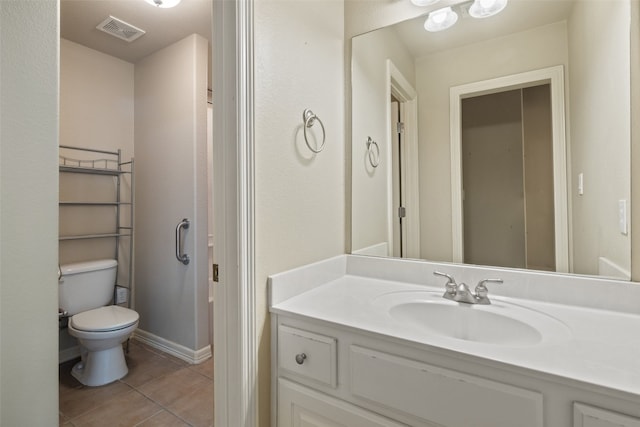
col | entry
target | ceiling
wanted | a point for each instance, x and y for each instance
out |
(519, 15)
(79, 18)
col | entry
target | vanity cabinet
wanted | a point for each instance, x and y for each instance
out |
(329, 375)
(300, 406)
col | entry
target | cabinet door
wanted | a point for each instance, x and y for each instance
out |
(589, 416)
(299, 406)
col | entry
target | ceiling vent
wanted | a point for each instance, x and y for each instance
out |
(120, 29)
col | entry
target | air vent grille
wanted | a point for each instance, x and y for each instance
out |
(120, 29)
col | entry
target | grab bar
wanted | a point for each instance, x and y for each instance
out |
(180, 255)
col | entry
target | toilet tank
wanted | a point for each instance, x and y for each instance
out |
(86, 285)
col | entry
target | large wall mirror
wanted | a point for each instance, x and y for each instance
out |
(513, 147)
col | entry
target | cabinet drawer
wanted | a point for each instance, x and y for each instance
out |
(440, 395)
(307, 355)
(589, 416)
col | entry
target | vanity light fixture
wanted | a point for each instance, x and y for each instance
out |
(423, 3)
(486, 8)
(440, 19)
(164, 4)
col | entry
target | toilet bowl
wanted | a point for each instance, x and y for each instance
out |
(101, 332)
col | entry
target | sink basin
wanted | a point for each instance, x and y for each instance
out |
(500, 323)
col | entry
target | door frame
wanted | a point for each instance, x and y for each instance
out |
(235, 346)
(555, 77)
(403, 91)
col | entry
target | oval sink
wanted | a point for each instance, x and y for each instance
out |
(500, 323)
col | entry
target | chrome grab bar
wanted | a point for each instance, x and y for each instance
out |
(180, 255)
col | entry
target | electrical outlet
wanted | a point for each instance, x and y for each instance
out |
(122, 295)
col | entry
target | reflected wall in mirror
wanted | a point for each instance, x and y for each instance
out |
(412, 191)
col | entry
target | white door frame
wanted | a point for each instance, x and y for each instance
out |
(399, 86)
(555, 77)
(235, 347)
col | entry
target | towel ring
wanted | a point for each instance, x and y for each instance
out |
(309, 119)
(374, 155)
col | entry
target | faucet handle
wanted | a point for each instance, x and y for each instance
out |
(438, 273)
(451, 282)
(481, 288)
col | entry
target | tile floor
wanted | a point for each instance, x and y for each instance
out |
(159, 390)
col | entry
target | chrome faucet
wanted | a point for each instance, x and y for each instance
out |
(461, 292)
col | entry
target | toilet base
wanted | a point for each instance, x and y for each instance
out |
(100, 367)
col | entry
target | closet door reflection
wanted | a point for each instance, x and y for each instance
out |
(507, 167)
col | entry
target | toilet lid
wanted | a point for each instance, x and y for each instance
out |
(109, 318)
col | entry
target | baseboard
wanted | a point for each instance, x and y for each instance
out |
(68, 354)
(177, 350)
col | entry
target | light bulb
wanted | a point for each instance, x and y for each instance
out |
(440, 19)
(164, 4)
(423, 3)
(486, 8)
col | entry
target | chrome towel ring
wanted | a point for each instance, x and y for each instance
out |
(373, 150)
(309, 119)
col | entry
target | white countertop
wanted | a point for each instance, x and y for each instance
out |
(601, 347)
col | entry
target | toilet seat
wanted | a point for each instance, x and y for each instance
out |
(104, 319)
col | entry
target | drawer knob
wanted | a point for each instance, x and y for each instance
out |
(300, 358)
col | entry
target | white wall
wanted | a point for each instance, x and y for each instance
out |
(600, 130)
(171, 184)
(96, 99)
(369, 203)
(28, 213)
(300, 196)
(96, 111)
(435, 74)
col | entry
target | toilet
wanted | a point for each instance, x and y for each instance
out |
(85, 292)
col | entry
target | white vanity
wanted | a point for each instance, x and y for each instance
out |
(362, 341)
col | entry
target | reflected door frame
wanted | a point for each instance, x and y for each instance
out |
(403, 91)
(554, 76)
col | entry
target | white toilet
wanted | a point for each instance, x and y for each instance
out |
(85, 292)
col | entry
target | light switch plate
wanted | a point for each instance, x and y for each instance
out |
(580, 184)
(622, 216)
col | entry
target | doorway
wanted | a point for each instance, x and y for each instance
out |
(403, 196)
(142, 105)
(554, 76)
(507, 169)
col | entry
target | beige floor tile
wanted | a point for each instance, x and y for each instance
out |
(63, 421)
(141, 346)
(205, 368)
(75, 401)
(124, 410)
(196, 408)
(171, 387)
(160, 390)
(145, 366)
(163, 419)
